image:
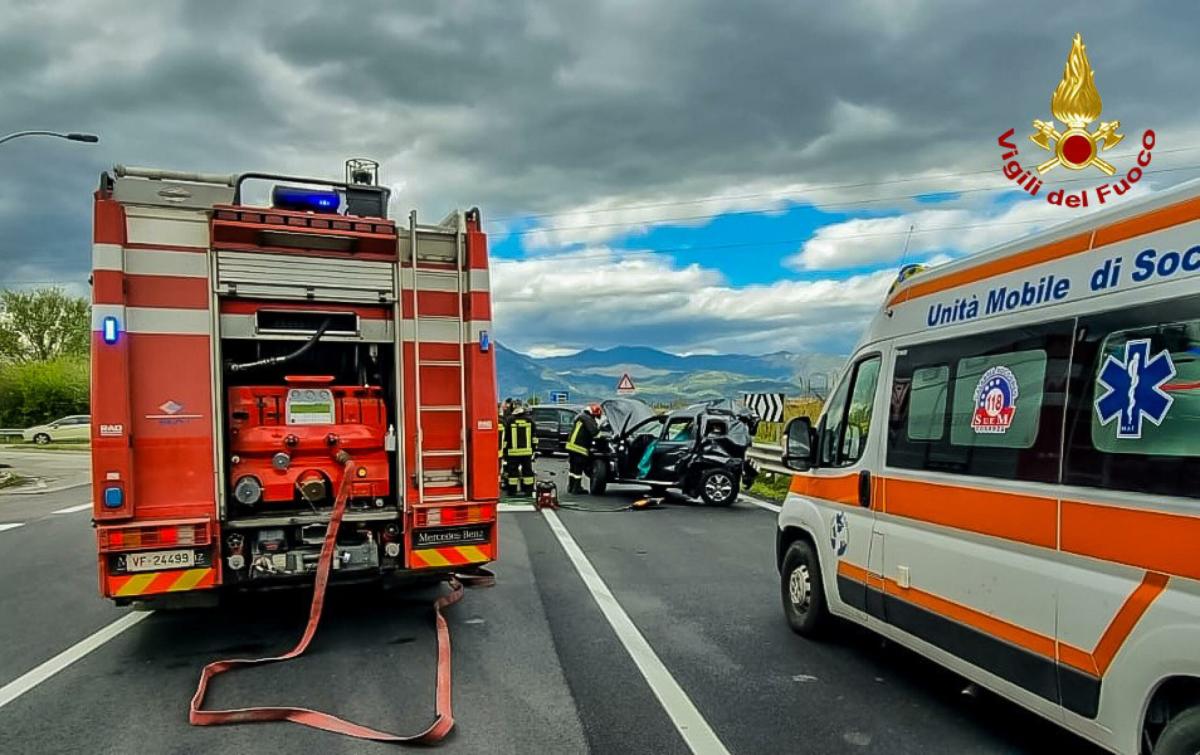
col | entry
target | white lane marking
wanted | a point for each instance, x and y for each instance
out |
(511, 508)
(11, 525)
(760, 504)
(36, 676)
(695, 731)
(72, 509)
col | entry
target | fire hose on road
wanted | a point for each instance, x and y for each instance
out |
(444, 717)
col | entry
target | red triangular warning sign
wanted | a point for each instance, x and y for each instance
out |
(626, 384)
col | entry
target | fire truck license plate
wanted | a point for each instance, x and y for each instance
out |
(159, 560)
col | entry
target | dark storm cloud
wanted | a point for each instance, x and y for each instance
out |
(531, 107)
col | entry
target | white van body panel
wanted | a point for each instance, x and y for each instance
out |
(1085, 618)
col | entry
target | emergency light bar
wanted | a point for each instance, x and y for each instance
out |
(304, 200)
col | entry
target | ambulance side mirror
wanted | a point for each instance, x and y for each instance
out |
(798, 446)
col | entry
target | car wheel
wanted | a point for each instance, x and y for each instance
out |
(1182, 735)
(598, 479)
(718, 487)
(802, 590)
(41, 439)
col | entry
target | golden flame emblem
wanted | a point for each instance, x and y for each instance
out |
(1076, 102)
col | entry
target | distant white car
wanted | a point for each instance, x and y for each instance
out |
(75, 427)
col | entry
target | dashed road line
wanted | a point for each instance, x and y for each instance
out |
(695, 731)
(72, 509)
(41, 673)
(11, 525)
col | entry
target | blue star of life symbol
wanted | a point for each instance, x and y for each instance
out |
(1134, 388)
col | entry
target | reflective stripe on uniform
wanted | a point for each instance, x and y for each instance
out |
(571, 444)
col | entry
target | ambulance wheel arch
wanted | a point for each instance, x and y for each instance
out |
(1168, 686)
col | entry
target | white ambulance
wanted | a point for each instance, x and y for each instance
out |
(1006, 479)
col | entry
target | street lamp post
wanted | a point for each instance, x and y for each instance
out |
(74, 137)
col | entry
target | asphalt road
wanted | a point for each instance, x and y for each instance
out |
(537, 665)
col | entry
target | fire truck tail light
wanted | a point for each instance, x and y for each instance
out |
(452, 515)
(129, 538)
(110, 329)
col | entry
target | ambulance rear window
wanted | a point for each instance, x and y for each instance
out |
(1163, 378)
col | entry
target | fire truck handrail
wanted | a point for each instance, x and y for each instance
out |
(229, 179)
(242, 177)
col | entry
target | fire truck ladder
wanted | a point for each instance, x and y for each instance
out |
(456, 479)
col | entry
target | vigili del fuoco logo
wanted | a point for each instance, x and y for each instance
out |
(1076, 146)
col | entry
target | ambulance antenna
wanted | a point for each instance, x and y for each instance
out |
(908, 238)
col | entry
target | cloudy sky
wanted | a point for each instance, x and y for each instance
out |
(700, 176)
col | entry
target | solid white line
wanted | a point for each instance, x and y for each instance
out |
(11, 526)
(73, 509)
(36, 676)
(760, 504)
(695, 731)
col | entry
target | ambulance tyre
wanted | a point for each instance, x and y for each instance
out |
(1182, 735)
(803, 591)
(598, 479)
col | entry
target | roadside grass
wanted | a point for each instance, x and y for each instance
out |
(771, 487)
(62, 445)
(771, 432)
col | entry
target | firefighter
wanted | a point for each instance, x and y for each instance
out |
(579, 446)
(519, 443)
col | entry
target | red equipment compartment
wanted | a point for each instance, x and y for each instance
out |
(305, 420)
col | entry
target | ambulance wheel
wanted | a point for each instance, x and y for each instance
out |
(1182, 735)
(718, 487)
(41, 439)
(802, 590)
(598, 479)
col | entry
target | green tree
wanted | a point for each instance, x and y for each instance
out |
(35, 392)
(41, 325)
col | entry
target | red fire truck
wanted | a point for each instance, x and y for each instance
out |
(250, 364)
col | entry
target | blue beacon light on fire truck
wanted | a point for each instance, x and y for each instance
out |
(304, 200)
(110, 329)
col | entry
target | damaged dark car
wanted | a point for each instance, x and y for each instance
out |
(700, 450)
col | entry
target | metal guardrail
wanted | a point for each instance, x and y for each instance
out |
(8, 432)
(767, 458)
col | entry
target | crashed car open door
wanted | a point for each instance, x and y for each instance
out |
(700, 450)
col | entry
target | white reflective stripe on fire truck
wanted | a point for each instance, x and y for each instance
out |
(106, 257)
(166, 262)
(443, 280)
(481, 280)
(161, 226)
(153, 320)
(444, 330)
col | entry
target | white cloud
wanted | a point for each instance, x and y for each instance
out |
(952, 231)
(602, 297)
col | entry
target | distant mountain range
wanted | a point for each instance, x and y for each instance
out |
(661, 377)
